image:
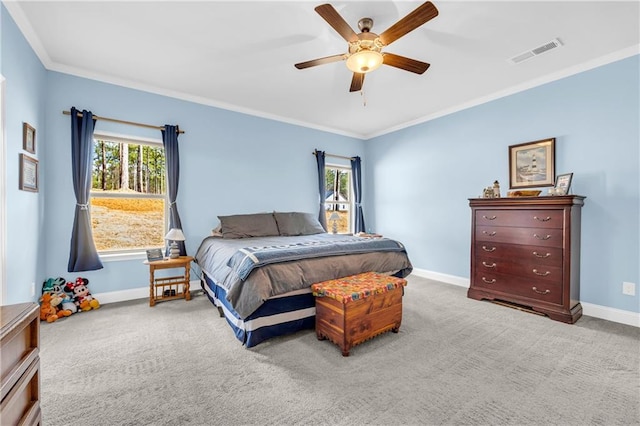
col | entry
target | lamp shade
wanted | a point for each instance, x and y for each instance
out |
(334, 216)
(175, 234)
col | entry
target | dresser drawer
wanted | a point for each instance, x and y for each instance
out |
(21, 405)
(518, 268)
(520, 218)
(545, 237)
(550, 256)
(19, 364)
(19, 342)
(511, 285)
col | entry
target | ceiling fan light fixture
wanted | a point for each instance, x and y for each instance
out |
(364, 61)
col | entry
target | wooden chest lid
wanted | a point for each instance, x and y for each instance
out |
(356, 287)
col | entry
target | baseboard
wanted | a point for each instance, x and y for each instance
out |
(611, 314)
(133, 293)
(445, 278)
(588, 309)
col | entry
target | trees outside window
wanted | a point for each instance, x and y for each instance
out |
(338, 190)
(128, 194)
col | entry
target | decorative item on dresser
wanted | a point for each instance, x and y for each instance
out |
(20, 366)
(527, 251)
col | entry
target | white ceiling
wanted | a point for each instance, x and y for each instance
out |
(239, 55)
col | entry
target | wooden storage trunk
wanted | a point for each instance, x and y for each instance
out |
(353, 309)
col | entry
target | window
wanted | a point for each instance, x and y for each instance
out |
(338, 192)
(128, 194)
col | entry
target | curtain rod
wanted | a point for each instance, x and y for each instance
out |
(335, 156)
(113, 120)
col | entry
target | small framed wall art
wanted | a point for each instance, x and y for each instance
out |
(28, 173)
(532, 164)
(28, 138)
(563, 183)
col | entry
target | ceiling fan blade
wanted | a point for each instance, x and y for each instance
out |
(403, 63)
(413, 20)
(356, 82)
(336, 21)
(321, 61)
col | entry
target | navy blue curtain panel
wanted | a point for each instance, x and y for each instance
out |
(357, 194)
(321, 185)
(83, 255)
(172, 156)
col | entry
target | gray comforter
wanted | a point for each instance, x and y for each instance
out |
(275, 277)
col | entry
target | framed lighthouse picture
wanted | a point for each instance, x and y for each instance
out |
(532, 164)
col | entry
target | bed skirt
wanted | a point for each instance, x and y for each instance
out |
(277, 316)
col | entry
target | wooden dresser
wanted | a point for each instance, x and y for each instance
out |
(526, 251)
(20, 364)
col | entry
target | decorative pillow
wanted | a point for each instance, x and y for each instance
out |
(296, 223)
(248, 225)
(217, 231)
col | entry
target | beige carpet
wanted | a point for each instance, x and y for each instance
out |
(454, 361)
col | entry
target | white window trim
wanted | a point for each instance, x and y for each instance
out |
(119, 137)
(137, 254)
(350, 200)
(122, 256)
(3, 202)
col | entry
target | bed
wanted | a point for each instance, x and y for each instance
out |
(258, 269)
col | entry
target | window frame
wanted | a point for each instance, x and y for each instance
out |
(138, 253)
(350, 195)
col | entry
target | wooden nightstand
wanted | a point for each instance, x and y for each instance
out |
(168, 288)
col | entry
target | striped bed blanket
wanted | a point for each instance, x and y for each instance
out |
(246, 259)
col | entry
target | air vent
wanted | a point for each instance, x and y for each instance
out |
(535, 51)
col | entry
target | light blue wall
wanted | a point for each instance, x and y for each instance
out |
(419, 179)
(25, 95)
(230, 163)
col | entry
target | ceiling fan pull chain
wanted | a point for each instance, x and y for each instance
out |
(364, 98)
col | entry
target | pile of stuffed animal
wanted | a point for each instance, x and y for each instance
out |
(62, 299)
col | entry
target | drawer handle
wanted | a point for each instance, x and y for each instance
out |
(541, 256)
(546, 237)
(488, 249)
(489, 218)
(546, 219)
(535, 271)
(493, 265)
(547, 291)
(491, 281)
(491, 234)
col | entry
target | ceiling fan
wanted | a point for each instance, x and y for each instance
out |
(365, 49)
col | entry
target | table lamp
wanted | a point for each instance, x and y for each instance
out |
(174, 235)
(335, 217)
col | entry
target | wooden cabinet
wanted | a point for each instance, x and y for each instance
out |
(527, 251)
(20, 364)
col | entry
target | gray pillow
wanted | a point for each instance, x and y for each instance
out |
(248, 225)
(296, 223)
